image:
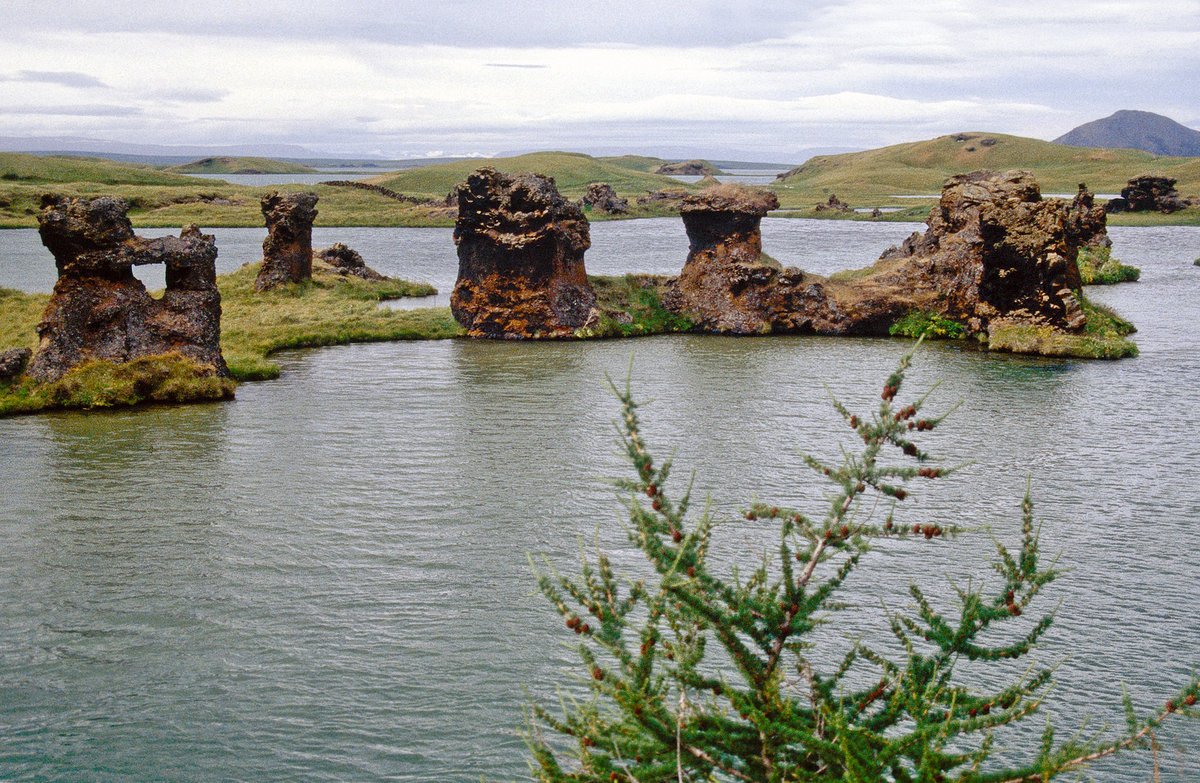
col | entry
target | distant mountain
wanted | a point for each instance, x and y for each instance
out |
(1136, 130)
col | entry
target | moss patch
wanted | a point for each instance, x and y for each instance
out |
(930, 325)
(1098, 267)
(169, 378)
(1102, 338)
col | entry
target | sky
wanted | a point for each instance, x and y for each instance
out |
(765, 81)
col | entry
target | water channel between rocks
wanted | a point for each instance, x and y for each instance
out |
(326, 579)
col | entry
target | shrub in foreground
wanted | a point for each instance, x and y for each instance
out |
(702, 672)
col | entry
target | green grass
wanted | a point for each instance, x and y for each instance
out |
(214, 203)
(868, 178)
(1098, 267)
(1102, 338)
(42, 169)
(170, 378)
(328, 310)
(643, 163)
(921, 323)
(19, 316)
(572, 173)
(631, 306)
(242, 165)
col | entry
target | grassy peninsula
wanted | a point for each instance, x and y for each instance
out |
(241, 165)
(330, 309)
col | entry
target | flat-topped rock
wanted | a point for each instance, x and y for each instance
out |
(724, 281)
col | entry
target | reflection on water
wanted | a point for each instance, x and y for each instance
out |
(326, 579)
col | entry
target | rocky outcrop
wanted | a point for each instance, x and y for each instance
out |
(378, 189)
(995, 251)
(1087, 222)
(1149, 193)
(347, 262)
(99, 310)
(12, 363)
(520, 259)
(687, 168)
(287, 250)
(833, 204)
(725, 281)
(601, 196)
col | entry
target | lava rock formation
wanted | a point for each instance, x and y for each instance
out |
(995, 252)
(347, 262)
(99, 310)
(520, 259)
(287, 250)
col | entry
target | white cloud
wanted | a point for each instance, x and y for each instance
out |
(870, 70)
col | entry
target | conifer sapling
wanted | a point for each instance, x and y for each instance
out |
(706, 672)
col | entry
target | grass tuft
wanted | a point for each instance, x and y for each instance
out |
(1102, 338)
(931, 325)
(1098, 267)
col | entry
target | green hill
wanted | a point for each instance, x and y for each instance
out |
(226, 165)
(636, 162)
(921, 167)
(16, 167)
(572, 172)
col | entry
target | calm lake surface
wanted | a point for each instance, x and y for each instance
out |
(327, 579)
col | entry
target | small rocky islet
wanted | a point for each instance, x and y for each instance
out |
(998, 263)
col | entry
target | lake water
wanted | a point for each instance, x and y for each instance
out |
(327, 579)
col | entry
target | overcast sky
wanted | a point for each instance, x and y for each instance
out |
(748, 80)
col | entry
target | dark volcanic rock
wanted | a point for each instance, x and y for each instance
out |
(725, 281)
(12, 363)
(671, 197)
(287, 250)
(347, 262)
(1088, 222)
(601, 196)
(99, 310)
(995, 251)
(834, 204)
(520, 259)
(1149, 193)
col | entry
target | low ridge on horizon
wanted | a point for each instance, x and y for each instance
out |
(1137, 130)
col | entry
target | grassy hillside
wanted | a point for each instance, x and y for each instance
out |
(225, 165)
(572, 172)
(868, 178)
(38, 169)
